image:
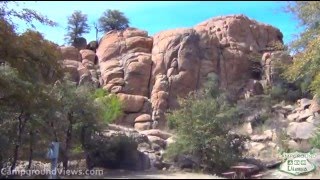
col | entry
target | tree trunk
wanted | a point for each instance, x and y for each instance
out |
(21, 125)
(30, 149)
(84, 144)
(68, 142)
(97, 30)
(54, 132)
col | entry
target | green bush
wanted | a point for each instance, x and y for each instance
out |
(202, 125)
(282, 142)
(277, 92)
(315, 141)
(116, 152)
(110, 105)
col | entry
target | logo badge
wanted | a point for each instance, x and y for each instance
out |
(297, 163)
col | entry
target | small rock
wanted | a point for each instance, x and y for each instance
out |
(303, 115)
(157, 140)
(314, 107)
(256, 148)
(313, 120)
(292, 117)
(142, 126)
(288, 108)
(158, 133)
(155, 147)
(170, 140)
(272, 144)
(304, 103)
(143, 118)
(248, 128)
(303, 130)
(143, 147)
(302, 146)
(268, 133)
(259, 138)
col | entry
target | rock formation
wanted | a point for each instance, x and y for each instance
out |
(150, 73)
(80, 65)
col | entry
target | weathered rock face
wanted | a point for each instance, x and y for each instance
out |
(125, 61)
(125, 65)
(81, 65)
(150, 73)
(270, 61)
(184, 57)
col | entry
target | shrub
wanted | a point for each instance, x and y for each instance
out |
(282, 141)
(315, 140)
(277, 92)
(110, 103)
(119, 151)
(202, 125)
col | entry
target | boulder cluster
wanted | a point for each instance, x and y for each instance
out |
(149, 74)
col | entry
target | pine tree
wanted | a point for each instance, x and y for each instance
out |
(113, 20)
(77, 25)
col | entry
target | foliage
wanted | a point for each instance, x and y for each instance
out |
(28, 63)
(315, 140)
(77, 25)
(110, 105)
(211, 119)
(118, 151)
(277, 92)
(283, 142)
(27, 15)
(276, 46)
(307, 13)
(37, 105)
(307, 58)
(113, 20)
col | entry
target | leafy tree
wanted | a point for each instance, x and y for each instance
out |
(308, 14)
(307, 58)
(77, 25)
(113, 20)
(209, 140)
(78, 115)
(29, 64)
(27, 15)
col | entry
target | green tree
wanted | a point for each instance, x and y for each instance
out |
(209, 140)
(113, 20)
(308, 14)
(77, 25)
(307, 58)
(26, 14)
(28, 63)
(78, 115)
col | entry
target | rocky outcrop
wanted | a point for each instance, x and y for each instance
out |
(149, 74)
(184, 57)
(125, 61)
(287, 126)
(270, 62)
(151, 144)
(125, 65)
(80, 65)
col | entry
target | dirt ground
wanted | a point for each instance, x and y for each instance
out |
(120, 174)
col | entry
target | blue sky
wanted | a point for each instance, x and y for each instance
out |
(157, 16)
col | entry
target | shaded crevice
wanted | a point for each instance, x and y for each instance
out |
(254, 37)
(219, 67)
(149, 81)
